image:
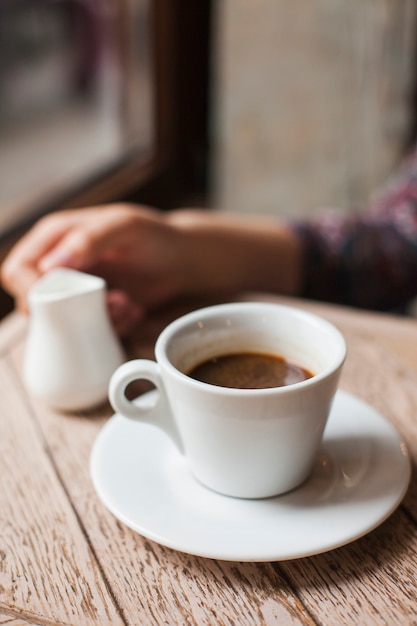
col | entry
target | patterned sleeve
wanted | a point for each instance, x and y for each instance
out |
(369, 260)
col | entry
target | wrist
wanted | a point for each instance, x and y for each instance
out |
(220, 252)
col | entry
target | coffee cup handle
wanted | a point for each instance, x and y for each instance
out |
(159, 413)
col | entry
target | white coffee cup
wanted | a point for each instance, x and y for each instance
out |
(246, 443)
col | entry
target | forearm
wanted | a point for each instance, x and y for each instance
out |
(234, 253)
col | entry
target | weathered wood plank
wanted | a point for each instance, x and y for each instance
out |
(47, 568)
(155, 585)
(14, 328)
(10, 620)
(371, 582)
(375, 576)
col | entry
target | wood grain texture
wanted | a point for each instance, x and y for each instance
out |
(47, 567)
(10, 620)
(152, 584)
(66, 560)
(389, 553)
(370, 582)
(14, 331)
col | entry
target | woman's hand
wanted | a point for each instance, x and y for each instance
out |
(148, 257)
(133, 248)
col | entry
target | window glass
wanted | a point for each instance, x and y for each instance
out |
(76, 95)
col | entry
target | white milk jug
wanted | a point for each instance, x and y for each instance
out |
(71, 349)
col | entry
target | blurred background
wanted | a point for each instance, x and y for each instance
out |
(240, 105)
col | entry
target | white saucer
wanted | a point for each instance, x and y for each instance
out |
(360, 477)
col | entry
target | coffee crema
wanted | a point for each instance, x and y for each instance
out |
(249, 370)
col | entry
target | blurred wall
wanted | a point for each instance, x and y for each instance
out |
(312, 100)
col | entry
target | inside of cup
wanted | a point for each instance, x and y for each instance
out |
(295, 335)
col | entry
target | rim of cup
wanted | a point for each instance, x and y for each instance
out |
(219, 310)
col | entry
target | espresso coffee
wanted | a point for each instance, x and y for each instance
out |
(249, 370)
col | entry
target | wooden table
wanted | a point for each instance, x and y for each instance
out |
(64, 559)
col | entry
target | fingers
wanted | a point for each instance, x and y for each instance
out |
(73, 239)
(76, 250)
(124, 312)
(99, 234)
(20, 269)
(77, 239)
(122, 240)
